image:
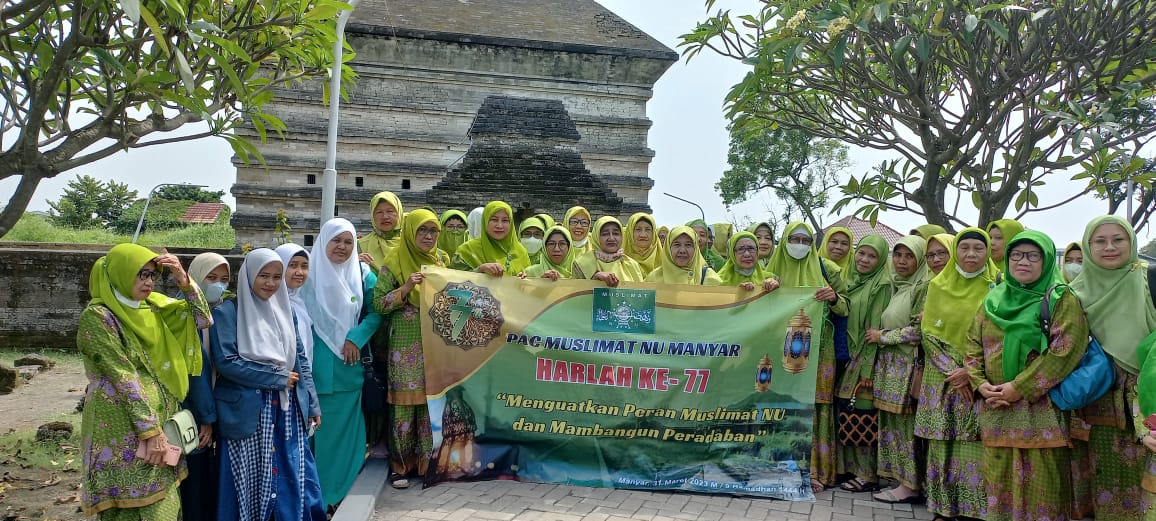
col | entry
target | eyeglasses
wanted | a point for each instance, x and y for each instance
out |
(1033, 256)
(557, 245)
(934, 256)
(746, 249)
(144, 275)
(797, 239)
(579, 222)
(456, 227)
(428, 232)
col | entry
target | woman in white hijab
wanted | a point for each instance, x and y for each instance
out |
(266, 401)
(474, 223)
(296, 261)
(337, 295)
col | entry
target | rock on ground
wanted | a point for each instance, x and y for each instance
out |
(36, 359)
(53, 431)
(9, 379)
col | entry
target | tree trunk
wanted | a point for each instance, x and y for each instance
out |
(19, 202)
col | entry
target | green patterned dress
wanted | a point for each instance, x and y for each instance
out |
(948, 422)
(125, 402)
(411, 445)
(1118, 462)
(1026, 459)
(824, 432)
(900, 457)
(861, 461)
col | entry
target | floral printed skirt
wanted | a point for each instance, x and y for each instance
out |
(823, 448)
(1119, 464)
(954, 481)
(1028, 484)
(900, 454)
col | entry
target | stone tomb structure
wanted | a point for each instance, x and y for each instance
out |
(554, 91)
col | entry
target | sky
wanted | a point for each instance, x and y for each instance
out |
(688, 135)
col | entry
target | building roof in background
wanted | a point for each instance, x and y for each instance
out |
(860, 228)
(520, 23)
(203, 213)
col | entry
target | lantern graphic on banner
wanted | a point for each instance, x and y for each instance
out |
(763, 375)
(457, 456)
(797, 345)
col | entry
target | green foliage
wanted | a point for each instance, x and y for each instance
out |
(188, 193)
(797, 168)
(37, 228)
(974, 96)
(88, 202)
(84, 80)
(283, 231)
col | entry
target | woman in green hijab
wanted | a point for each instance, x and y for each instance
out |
(641, 241)
(742, 268)
(497, 251)
(926, 231)
(765, 234)
(722, 238)
(387, 213)
(797, 264)
(397, 296)
(897, 367)
(836, 247)
(939, 248)
(945, 418)
(139, 348)
(1013, 364)
(608, 263)
(1073, 262)
(1113, 287)
(868, 291)
(454, 231)
(1000, 231)
(714, 260)
(557, 256)
(681, 262)
(546, 219)
(532, 234)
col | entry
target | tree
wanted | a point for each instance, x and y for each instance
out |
(189, 193)
(980, 97)
(88, 202)
(80, 81)
(798, 169)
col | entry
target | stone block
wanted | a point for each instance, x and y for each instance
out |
(37, 360)
(9, 379)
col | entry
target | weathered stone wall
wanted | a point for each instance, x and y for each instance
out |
(42, 293)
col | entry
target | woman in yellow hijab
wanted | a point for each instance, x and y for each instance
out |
(722, 238)
(765, 235)
(531, 234)
(641, 241)
(578, 221)
(837, 242)
(497, 251)
(454, 232)
(608, 263)
(1001, 231)
(742, 268)
(681, 262)
(557, 256)
(387, 213)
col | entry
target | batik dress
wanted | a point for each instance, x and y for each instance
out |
(900, 454)
(1118, 463)
(124, 401)
(861, 461)
(411, 445)
(1027, 460)
(948, 423)
(825, 434)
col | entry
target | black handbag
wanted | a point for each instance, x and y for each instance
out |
(373, 390)
(857, 427)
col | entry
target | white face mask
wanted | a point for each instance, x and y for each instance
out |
(967, 275)
(532, 244)
(798, 251)
(1072, 269)
(214, 291)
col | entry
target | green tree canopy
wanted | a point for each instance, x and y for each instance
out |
(88, 202)
(82, 80)
(985, 98)
(189, 193)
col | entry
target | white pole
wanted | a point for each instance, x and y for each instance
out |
(148, 199)
(329, 177)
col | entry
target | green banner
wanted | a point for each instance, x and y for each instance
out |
(642, 386)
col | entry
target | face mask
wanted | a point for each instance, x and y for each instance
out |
(214, 291)
(532, 244)
(967, 275)
(581, 243)
(1072, 269)
(798, 251)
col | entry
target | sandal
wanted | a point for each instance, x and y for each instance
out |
(858, 485)
(889, 497)
(398, 481)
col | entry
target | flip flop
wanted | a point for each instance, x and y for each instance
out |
(858, 485)
(889, 497)
(398, 481)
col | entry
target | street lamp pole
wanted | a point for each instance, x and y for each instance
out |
(149, 199)
(688, 202)
(329, 177)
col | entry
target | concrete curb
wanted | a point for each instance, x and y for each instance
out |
(361, 501)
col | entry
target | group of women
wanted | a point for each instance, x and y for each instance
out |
(940, 334)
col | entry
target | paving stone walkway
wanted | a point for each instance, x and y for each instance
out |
(516, 501)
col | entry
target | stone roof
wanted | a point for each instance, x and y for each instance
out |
(570, 25)
(523, 152)
(860, 227)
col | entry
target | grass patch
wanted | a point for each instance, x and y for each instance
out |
(20, 449)
(38, 228)
(64, 358)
